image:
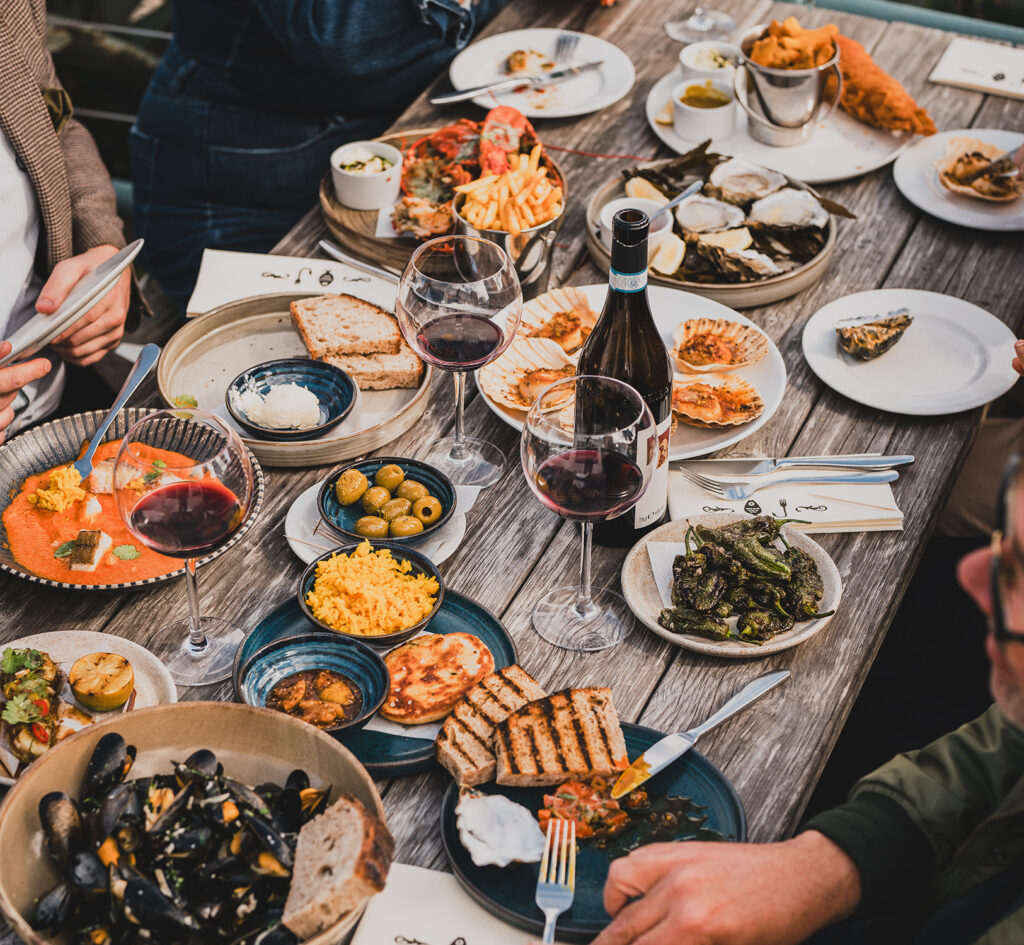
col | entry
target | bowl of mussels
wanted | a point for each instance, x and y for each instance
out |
(750, 236)
(173, 824)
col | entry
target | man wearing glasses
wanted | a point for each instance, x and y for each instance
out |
(929, 849)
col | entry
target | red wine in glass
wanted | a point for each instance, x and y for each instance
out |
(589, 483)
(461, 341)
(187, 519)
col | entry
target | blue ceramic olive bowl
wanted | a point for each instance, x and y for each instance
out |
(333, 387)
(341, 519)
(421, 564)
(256, 676)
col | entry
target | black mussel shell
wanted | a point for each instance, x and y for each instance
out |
(200, 765)
(270, 838)
(53, 908)
(246, 797)
(188, 842)
(298, 780)
(87, 874)
(62, 825)
(111, 760)
(170, 815)
(121, 805)
(145, 905)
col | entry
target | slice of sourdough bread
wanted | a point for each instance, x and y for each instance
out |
(381, 371)
(341, 859)
(332, 325)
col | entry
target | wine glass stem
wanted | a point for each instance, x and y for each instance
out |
(584, 605)
(196, 637)
(458, 450)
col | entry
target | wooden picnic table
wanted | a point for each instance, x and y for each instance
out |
(515, 550)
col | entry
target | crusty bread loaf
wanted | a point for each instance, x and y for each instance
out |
(464, 744)
(382, 371)
(333, 325)
(341, 859)
(573, 734)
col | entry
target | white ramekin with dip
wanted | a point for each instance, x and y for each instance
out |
(367, 175)
(703, 109)
(709, 60)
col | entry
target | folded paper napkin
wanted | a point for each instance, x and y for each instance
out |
(981, 66)
(225, 277)
(828, 507)
(424, 907)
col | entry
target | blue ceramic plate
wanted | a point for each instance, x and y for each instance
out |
(341, 519)
(420, 564)
(509, 892)
(386, 755)
(320, 649)
(334, 388)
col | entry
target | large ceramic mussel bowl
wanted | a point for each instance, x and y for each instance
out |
(421, 564)
(256, 673)
(341, 519)
(254, 745)
(60, 442)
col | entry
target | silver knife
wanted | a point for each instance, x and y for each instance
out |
(661, 754)
(512, 82)
(760, 467)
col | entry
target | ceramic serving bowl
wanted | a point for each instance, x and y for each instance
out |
(421, 564)
(341, 519)
(334, 388)
(256, 676)
(696, 60)
(361, 191)
(254, 745)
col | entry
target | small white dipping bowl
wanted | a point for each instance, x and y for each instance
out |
(366, 191)
(692, 67)
(696, 124)
(660, 228)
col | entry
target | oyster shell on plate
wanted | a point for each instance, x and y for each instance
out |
(962, 157)
(715, 344)
(562, 315)
(714, 401)
(527, 367)
(700, 214)
(867, 340)
(788, 207)
(741, 265)
(739, 181)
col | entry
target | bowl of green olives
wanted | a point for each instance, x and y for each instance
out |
(386, 498)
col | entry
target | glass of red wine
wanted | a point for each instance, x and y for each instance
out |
(184, 485)
(459, 305)
(589, 452)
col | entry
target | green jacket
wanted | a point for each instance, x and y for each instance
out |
(932, 825)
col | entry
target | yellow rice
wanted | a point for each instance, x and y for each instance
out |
(369, 593)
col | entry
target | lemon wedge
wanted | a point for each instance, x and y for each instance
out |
(102, 681)
(731, 241)
(644, 189)
(669, 256)
(664, 116)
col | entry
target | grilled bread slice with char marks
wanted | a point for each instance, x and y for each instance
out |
(573, 734)
(465, 742)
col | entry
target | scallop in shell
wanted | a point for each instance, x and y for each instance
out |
(739, 181)
(715, 400)
(715, 344)
(529, 365)
(699, 214)
(562, 315)
(788, 207)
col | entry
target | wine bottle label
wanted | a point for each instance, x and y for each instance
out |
(652, 503)
(627, 281)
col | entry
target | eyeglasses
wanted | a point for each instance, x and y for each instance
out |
(1008, 560)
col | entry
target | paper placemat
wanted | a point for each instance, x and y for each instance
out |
(982, 67)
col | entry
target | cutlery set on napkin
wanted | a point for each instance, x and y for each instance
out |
(840, 493)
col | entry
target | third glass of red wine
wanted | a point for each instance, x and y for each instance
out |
(184, 486)
(459, 305)
(589, 450)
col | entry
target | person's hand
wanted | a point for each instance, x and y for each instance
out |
(102, 327)
(12, 379)
(1018, 360)
(728, 893)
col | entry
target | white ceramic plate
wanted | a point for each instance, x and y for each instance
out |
(309, 538)
(839, 149)
(153, 684)
(955, 356)
(484, 61)
(918, 181)
(642, 595)
(670, 307)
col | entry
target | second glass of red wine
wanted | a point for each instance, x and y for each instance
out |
(589, 453)
(184, 485)
(459, 305)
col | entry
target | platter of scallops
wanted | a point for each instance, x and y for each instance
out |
(750, 236)
(729, 377)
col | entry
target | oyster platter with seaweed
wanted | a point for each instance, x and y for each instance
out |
(749, 237)
(729, 376)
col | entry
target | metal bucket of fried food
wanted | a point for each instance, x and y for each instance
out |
(521, 210)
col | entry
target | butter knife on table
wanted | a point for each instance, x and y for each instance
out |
(538, 81)
(661, 754)
(754, 466)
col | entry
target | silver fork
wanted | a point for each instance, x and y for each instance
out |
(565, 48)
(556, 883)
(740, 489)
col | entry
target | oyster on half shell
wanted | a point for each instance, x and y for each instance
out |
(715, 400)
(741, 265)
(739, 181)
(699, 214)
(788, 207)
(527, 367)
(965, 155)
(869, 340)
